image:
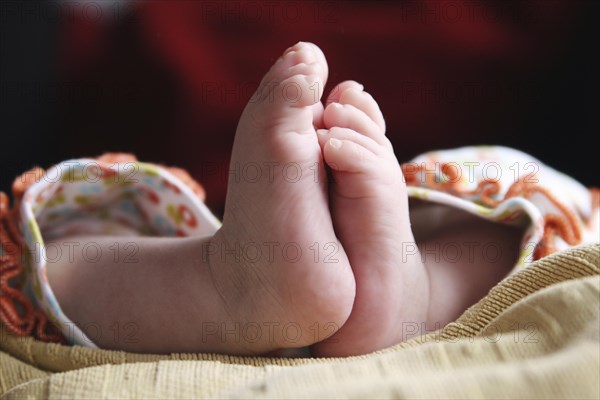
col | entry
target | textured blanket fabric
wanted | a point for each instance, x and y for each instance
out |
(535, 335)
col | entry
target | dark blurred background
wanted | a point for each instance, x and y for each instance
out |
(167, 80)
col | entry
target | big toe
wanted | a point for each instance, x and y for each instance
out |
(297, 79)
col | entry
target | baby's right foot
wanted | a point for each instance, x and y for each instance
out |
(369, 206)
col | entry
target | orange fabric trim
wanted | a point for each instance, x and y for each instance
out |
(17, 312)
(565, 224)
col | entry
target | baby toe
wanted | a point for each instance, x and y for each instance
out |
(297, 79)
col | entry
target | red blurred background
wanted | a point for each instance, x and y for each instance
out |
(167, 80)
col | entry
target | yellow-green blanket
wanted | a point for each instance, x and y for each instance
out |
(535, 335)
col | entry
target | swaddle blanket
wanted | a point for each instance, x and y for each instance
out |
(535, 335)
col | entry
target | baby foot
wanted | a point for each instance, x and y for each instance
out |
(369, 206)
(276, 261)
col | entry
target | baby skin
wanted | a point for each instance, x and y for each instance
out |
(344, 284)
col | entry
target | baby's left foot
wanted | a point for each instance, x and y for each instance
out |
(369, 206)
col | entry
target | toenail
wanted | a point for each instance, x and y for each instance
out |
(335, 143)
(322, 131)
(337, 106)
